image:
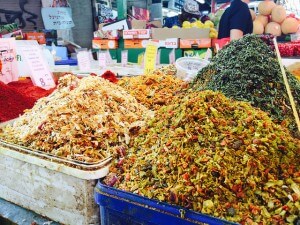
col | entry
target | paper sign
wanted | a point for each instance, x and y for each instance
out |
(84, 63)
(141, 59)
(108, 58)
(208, 54)
(102, 59)
(150, 57)
(158, 57)
(57, 18)
(8, 60)
(172, 57)
(39, 69)
(23, 68)
(124, 58)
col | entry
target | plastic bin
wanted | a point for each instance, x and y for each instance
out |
(188, 67)
(124, 208)
(70, 62)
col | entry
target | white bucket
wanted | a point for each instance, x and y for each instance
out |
(188, 67)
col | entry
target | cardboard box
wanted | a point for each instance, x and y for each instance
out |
(105, 44)
(195, 43)
(168, 43)
(40, 37)
(183, 33)
(199, 53)
(109, 34)
(138, 24)
(142, 24)
(135, 43)
(136, 34)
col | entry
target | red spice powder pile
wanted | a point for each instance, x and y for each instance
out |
(12, 103)
(18, 96)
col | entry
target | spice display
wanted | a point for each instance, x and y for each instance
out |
(217, 156)
(26, 88)
(248, 70)
(156, 89)
(83, 119)
(12, 103)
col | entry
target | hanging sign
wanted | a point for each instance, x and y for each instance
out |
(39, 69)
(57, 18)
(150, 57)
(8, 60)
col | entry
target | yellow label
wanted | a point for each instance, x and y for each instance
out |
(150, 57)
(140, 59)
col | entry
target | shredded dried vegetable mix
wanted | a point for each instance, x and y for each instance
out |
(216, 156)
(156, 89)
(83, 119)
(248, 70)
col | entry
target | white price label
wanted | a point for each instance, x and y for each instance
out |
(40, 72)
(124, 58)
(84, 62)
(102, 59)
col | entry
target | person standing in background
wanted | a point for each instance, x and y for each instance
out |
(236, 21)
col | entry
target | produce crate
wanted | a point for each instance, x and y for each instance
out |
(123, 208)
(49, 187)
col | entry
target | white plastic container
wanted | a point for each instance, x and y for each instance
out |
(188, 67)
(50, 188)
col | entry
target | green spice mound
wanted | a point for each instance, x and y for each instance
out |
(216, 156)
(248, 70)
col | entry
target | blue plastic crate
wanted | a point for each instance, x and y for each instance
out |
(70, 62)
(124, 208)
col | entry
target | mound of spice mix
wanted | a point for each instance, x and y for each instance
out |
(216, 156)
(156, 89)
(248, 70)
(83, 119)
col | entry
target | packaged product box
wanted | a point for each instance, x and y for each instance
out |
(195, 43)
(135, 43)
(183, 33)
(169, 43)
(105, 44)
(136, 34)
(109, 34)
(40, 37)
(199, 53)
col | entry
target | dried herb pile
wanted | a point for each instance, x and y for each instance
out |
(156, 89)
(83, 119)
(248, 70)
(216, 156)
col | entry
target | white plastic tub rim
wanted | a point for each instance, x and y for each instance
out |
(188, 67)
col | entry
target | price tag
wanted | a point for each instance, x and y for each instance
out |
(158, 57)
(102, 59)
(8, 60)
(208, 54)
(150, 57)
(172, 57)
(124, 58)
(141, 59)
(108, 58)
(39, 69)
(84, 62)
